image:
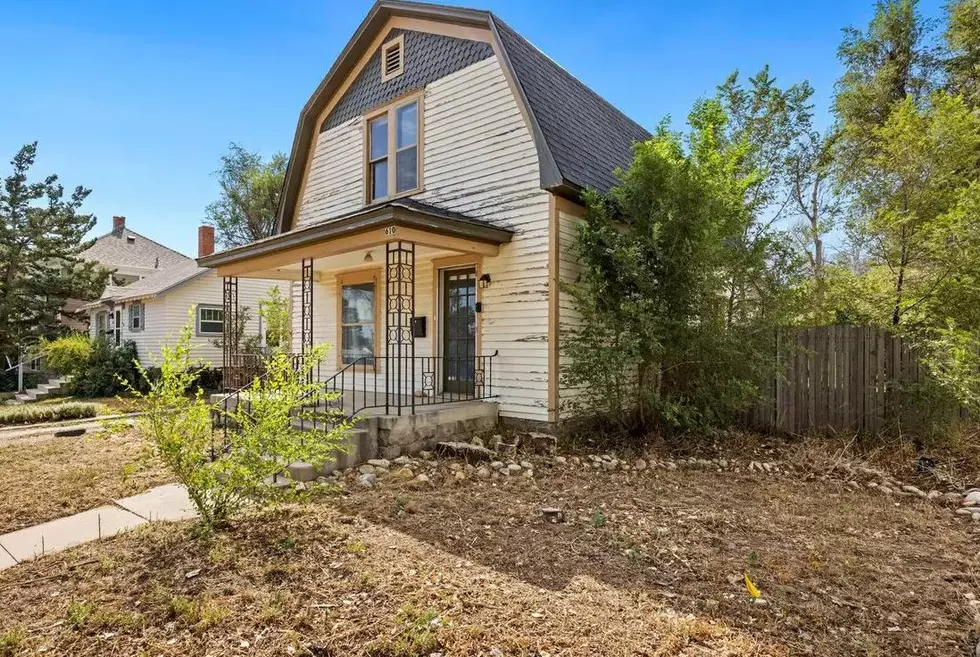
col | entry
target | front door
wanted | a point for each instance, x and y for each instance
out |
(459, 330)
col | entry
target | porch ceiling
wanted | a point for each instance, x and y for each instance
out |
(400, 220)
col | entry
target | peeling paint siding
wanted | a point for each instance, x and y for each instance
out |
(167, 315)
(568, 315)
(480, 160)
(335, 182)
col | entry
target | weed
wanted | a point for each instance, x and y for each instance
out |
(198, 613)
(356, 547)
(286, 544)
(599, 519)
(418, 635)
(11, 641)
(78, 613)
(274, 607)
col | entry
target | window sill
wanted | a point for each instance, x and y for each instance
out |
(394, 197)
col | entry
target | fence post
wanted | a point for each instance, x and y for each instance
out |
(20, 376)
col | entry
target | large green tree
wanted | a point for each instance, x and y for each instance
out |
(42, 234)
(962, 40)
(684, 275)
(250, 190)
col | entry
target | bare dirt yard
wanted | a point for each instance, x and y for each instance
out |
(48, 478)
(645, 563)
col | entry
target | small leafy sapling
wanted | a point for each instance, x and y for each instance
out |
(228, 470)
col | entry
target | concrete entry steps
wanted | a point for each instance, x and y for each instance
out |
(44, 390)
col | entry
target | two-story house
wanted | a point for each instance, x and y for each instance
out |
(430, 199)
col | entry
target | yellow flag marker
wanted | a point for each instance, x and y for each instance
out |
(753, 591)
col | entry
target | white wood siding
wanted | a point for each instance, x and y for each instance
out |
(166, 315)
(479, 159)
(335, 184)
(569, 270)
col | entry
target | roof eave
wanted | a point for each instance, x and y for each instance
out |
(376, 217)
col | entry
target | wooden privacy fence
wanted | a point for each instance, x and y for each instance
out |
(841, 378)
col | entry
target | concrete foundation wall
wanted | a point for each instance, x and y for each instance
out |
(410, 434)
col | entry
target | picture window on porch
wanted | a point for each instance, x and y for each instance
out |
(393, 152)
(358, 316)
(210, 320)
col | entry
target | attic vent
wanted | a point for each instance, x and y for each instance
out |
(393, 58)
(131, 239)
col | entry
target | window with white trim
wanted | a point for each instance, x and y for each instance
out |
(393, 153)
(210, 320)
(137, 314)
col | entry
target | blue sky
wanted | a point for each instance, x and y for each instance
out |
(138, 100)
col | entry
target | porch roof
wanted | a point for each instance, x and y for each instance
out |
(398, 220)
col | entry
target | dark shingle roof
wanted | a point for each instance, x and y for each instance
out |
(587, 136)
(580, 137)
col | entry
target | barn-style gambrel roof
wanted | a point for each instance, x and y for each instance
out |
(580, 137)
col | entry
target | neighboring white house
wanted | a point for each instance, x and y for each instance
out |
(153, 309)
(433, 186)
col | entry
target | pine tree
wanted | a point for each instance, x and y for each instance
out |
(42, 236)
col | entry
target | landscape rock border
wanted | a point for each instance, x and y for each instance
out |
(529, 451)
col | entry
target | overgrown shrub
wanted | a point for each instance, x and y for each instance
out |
(35, 413)
(109, 371)
(226, 470)
(206, 379)
(68, 354)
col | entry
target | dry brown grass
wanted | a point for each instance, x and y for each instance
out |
(645, 564)
(321, 584)
(41, 480)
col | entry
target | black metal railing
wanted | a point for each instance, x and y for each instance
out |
(369, 383)
(399, 385)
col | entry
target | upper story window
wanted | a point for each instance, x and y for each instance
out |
(393, 154)
(393, 58)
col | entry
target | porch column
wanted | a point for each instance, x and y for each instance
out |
(229, 338)
(306, 311)
(400, 311)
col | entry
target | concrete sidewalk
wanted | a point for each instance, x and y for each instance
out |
(164, 503)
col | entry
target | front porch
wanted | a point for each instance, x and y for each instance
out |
(396, 290)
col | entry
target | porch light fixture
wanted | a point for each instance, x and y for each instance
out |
(484, 281)
(368, 257)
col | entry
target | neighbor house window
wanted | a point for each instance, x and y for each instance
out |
(101, 321)
(358, 314)
(136, 317)
(115, 327)
(210, 320)
(393, 153)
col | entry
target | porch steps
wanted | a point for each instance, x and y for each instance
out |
(52, 388)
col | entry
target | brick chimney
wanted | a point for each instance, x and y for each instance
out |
(118, 224)
(205, 241)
